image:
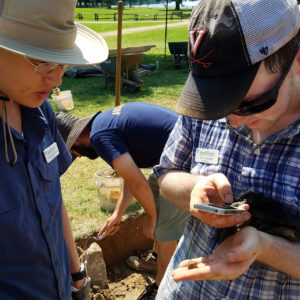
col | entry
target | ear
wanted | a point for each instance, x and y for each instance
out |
(77, 142)
(297, 62)
(83, 138)
(85, 135)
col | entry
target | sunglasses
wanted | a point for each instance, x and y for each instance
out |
(265, 101)
(45, 67)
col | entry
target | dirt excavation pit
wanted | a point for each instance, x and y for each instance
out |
(123, 282)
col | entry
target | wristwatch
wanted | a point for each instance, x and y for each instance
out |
(79, 275)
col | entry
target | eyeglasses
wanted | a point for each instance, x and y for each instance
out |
(265, 101)
(45, 67)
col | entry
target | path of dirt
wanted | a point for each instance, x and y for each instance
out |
(146, 28)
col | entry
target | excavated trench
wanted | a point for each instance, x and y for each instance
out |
(124, 283)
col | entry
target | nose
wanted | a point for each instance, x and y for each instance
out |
(55, 77)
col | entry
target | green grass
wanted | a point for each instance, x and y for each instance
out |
(111, 26)
(129, 13)
(128, 10)
(162, 87)
(155, 37)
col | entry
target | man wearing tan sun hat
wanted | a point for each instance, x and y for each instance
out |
(38, 41)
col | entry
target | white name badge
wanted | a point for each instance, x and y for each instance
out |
(207, 156)
(51, 152)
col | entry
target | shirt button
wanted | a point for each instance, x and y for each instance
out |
(46, 228)
(56, 262)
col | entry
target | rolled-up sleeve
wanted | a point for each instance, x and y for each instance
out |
(177, 154)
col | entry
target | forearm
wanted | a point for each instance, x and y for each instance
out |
(280, 254)
(123, 201)
(144, 196)
(74, 258)
(176, 187)
(136, 182)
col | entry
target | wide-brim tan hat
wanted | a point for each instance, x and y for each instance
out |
(45, 30)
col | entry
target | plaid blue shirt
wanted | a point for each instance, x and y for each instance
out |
(270, 167)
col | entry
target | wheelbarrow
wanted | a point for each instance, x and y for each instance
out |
(179, 52)
(131, 59)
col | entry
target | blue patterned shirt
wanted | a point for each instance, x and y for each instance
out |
(270, 167)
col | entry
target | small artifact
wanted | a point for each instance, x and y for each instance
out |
(56, 91)
(192, 264)
(114, 195)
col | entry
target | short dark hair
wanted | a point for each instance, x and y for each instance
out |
(281, 58)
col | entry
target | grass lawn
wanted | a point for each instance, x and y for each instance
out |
(111, 26)
(161, 87)
(106, 23)
(128, 10)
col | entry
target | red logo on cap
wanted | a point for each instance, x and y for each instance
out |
(195, 46)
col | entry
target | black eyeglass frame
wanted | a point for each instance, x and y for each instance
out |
(266, 100)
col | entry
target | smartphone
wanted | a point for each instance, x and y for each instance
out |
(225, 209)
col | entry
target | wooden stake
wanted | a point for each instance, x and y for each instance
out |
(119, 53)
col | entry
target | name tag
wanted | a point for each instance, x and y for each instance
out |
(51, 152)
(207, 156)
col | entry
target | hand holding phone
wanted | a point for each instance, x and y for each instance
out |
(225, 209)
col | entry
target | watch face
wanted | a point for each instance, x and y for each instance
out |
(82, 267)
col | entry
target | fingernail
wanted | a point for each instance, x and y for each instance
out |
(246, 216)
(228, 198)
(232, 255)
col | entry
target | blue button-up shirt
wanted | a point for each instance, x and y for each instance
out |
(34, 261)
(270, 167)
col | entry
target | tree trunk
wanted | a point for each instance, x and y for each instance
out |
(177, 4)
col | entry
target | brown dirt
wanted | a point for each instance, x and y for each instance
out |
(124, 283)
(107, 172)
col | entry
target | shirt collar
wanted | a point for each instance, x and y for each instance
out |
(34, 124)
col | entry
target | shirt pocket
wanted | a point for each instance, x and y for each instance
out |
(8, 203)
(48, 171)
(12, 189)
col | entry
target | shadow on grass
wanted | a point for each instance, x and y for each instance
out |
(131, 209)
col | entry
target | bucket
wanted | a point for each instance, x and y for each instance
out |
(63, 101)
(110, 187)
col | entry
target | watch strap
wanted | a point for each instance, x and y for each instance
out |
(79, 275)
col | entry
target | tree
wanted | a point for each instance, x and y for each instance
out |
(177, 4)
(87, 3)
(130, 2)
(109, 3)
